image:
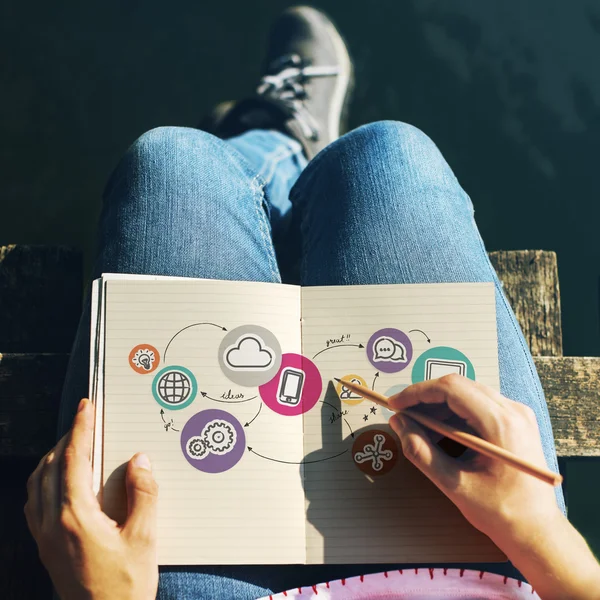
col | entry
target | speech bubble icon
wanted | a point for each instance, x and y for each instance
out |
(389, 350)
(384, 348)
(399, 353)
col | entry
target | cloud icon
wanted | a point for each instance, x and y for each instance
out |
(249, 353)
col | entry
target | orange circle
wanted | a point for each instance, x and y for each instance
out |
(144, 358)
(375, 452)
(345, 394)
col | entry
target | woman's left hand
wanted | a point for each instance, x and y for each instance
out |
(87, 554)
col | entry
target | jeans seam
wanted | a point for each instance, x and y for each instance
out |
(272, 160)
(258, 186)
(307, 174)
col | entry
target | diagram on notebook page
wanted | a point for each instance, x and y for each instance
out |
(213, 440)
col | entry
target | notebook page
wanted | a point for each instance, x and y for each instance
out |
(96, 381)
(370, 504)
(219, 503)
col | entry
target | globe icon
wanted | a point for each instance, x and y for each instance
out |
(174, 387)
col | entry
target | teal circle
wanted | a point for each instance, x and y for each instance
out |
(425, 365)
(175, 369)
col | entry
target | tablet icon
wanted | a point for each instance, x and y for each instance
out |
(291, 383)
(439, 361)
(438, 367)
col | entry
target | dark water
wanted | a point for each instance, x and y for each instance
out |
(510, 92)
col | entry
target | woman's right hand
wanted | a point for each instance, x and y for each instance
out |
(497, 499)
(517, 511)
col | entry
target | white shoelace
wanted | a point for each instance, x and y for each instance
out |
(287, 89)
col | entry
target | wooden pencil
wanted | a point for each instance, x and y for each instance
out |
(462, 437)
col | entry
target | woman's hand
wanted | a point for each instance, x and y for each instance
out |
(494, 497)
(87, 554)
(517, 511)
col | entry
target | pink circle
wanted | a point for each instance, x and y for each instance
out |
(296, 387)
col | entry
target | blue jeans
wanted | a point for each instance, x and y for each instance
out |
(379, 205)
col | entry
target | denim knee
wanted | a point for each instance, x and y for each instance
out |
(383, 162)
(402, 140)
(162, 141)
(165, 157)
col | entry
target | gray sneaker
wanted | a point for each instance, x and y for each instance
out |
(305, 88)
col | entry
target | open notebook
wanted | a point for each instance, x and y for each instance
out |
(260, 459)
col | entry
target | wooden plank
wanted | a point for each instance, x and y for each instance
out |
(571, 385)
(30, 386)
(530, 280)
(40, 298)
(30, 389)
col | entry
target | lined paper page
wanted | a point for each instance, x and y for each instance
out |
(396, 516)
(251, 513)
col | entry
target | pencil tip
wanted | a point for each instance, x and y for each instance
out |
(336, 379)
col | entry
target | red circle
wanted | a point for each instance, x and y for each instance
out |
(141, 368)
(377, 450)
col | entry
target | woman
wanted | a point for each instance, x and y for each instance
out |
(378, 205)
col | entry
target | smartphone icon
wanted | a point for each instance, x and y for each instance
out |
(291, 382)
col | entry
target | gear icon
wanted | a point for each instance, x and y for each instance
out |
(196, 448)
(219, 436)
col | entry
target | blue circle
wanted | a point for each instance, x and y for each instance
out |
(177, 391)
(395, 389)
(440, 361)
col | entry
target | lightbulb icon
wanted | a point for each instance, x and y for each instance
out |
(145, 361)
(144, 358)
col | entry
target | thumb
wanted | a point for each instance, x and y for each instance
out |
(142, 501)
(419, 449)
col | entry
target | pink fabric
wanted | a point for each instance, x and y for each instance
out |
(416, 584)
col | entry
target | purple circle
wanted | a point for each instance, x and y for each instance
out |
(228, 440)
(389, 356)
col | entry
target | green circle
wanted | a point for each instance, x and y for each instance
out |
(449, 360)
(175, 369)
